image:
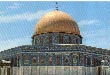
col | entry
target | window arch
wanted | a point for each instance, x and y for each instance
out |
(70, 40)
(60, 38)
(75, 59)
(34, 60)
(66, 60)
(50, 60)
(25, 59)
(58, 60)
(50, 39)
(42, 59)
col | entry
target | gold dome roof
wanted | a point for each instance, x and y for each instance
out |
(56, 21)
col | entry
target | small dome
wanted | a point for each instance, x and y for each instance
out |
(56, 21)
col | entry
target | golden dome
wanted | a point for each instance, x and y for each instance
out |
(56, 21)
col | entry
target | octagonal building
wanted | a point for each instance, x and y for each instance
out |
(56, 49)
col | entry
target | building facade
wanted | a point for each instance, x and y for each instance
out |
(56, 49)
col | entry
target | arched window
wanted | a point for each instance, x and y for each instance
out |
(76, 40)
(34, 60)
(70, 40)
(57, 60)
(83, 59)
(42, 58)
(50, 60)
(60, 38)
(12, 61)
(93, 61)
(40, 40)
(25, 59)
(66, 60)
(73, 39)
(75, 59)
(88, 61)
(50, 39)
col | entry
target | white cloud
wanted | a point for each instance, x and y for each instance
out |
(14, 6)
(96, 38)
(89, 22)
(2, 12)
(7, 44)
(28, 16)
(99, 32)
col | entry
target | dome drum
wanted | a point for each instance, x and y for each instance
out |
(57, 38)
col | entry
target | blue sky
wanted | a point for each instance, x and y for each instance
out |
(18, 20)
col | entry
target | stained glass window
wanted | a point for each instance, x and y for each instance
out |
(38, 40)
(55, 38)
(34, 60)
(60, 38)
(45, 39)
(50, 60)
(75, 59)
(50, 39)
(66, 60)
(58, 60)
(42, 59)
(83, 59)
(66, 39)
(88, 60)
(25, 59)
(76, 40)
(73, 39)
(70, 40)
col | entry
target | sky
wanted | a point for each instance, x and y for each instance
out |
(18, 20)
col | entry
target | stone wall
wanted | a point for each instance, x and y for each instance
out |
(53, 70)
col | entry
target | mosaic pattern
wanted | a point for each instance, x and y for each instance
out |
(59, 38)
(79, 55)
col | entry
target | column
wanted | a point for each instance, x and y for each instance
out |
(46, 59)
(14, 61)
(38, 59)
(62, 59)
(70, 59)
(53, 59)
(54, 63)
(8, 71)
(29, 57)
(91, 65)
(78, 59)
(91, 61)
(38, 63)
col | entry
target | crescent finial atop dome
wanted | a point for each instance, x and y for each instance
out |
(57, 6)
